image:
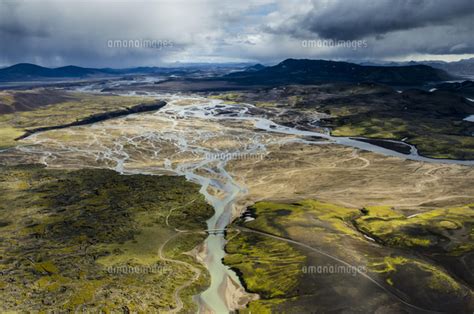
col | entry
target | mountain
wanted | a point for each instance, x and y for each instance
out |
(30, 72)
(290, 71)
(74, 71)
(465, 89)
(304, 71)
(463, 68)
(27, 71)
(255, 67)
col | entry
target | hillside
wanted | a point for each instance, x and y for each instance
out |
(27, 71)
(304, 71)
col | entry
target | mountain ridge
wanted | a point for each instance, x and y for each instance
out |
(289, 71)
(307, 71)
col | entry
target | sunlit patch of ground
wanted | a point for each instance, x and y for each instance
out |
(355, 178)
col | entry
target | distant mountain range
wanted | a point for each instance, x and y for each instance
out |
(27, 71)
(464, 68)
(290, 71)
(304, 71)
(30, 72)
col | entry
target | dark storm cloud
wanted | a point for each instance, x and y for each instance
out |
(11, 23)
(347, 20)
(62, 32)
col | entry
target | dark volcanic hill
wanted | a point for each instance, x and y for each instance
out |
(465, 88)
(293, 71)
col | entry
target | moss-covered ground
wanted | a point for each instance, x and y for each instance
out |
(421, 262)
(89, 240)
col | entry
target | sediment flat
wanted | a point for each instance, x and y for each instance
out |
(99, 117)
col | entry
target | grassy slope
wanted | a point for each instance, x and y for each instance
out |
(67, 237)
(438, 279)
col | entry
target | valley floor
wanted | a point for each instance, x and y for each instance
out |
(215, 204)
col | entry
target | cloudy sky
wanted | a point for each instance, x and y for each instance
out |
(90, 33)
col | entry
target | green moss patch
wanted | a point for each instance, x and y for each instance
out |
(89, 240)
(421, 260)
